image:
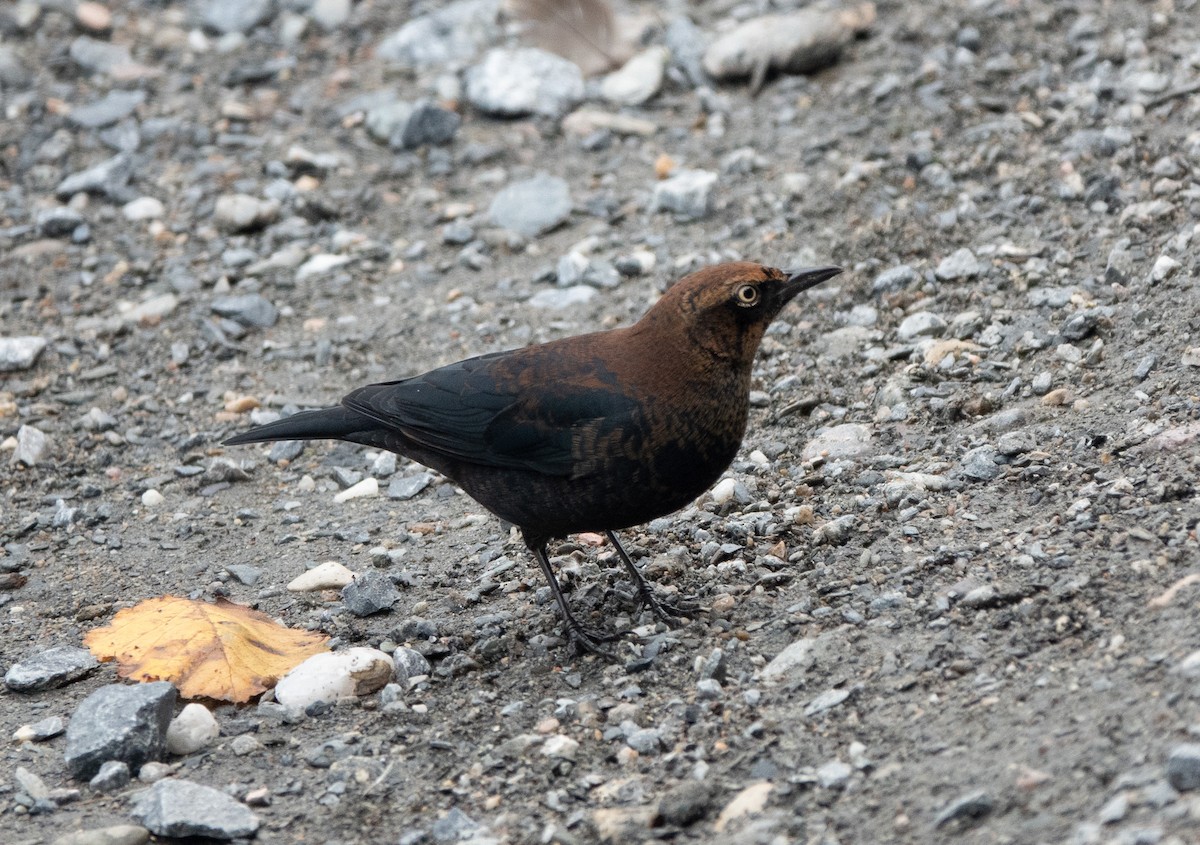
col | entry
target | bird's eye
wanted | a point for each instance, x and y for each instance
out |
(747, 295)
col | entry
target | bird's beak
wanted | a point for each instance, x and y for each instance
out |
(802, 280)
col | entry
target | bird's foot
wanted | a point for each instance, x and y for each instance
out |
(587, 639)
(670, 614)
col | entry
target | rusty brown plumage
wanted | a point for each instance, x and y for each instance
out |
(588, 433)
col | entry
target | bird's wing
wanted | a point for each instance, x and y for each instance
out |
(496, 411)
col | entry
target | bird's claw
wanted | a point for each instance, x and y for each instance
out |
(588, 640)
(671, 615)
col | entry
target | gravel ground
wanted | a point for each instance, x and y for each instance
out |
(950, 578)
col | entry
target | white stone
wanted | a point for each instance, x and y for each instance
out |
(319, 265)
(335, 676)
(369, 486)
(150, 310)
(20, 353)
(848, 440)
(560, 745)
(524, 81)
(688, 193)
(31, 446)
(638, 80)
(239, 212)
(194, 728)
(723, 492)
(1164, 268)
(152, 498)
(329, 575)
(560, 298)
(143, 208)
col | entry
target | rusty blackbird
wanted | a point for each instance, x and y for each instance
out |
(588, 433)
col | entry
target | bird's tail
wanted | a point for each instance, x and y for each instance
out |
(337, 423)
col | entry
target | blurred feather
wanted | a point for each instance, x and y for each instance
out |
(583, 31)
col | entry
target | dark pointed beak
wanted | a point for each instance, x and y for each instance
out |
(801, 280)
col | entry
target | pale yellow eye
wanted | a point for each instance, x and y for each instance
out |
(747, 295)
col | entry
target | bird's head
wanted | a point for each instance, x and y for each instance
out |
(725, 309)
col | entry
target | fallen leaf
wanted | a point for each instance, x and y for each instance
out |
(224, 651)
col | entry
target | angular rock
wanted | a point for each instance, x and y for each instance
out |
(181, 808)
(370, 592)
(522, 81)
(687, 194)
(53, 667)
(114, 106)
(20, 353)
(960, 264)
(118, 834)
(409, 486)
(119, 722)
(449, 36)
(109, 178)
(558, 299)
(251, 310)
(31, 446)
(532, 206)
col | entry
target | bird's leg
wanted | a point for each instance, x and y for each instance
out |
(586, 638)
(663, 611)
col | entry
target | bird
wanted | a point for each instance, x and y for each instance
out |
(589, 433)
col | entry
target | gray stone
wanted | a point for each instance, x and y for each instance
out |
(834, 774)
(792, 661)
(826, 701)
(20, 353)
(687, 194)
(31, 446)
(715, 666)
(574, 268)
(848, 440)
(59, 222)
(921, 324)
(179, 808)
(687, 43)
(406, 126)
(251, 310)
(225, 16)
(961, 264)
(1016, 443)
(456, 826)
(448, 36)
(370, 592)
(113, 106)
(409, 486)
(41, 730)
(1183, 766)
(645, 740)
(409, 663)
(113, 775)
(968, 808)
(119, 722)
(979, 464)
(109, 178)
(522, 81)
(244, 574)
(708, 689)
(427, 123)
(99, 56)
(895, 279)
(558, 299)
(51, 668)
(532, 206)
(686, 803)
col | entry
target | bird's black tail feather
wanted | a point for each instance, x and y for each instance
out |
(337, 423)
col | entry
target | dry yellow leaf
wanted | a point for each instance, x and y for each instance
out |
(224, 651)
